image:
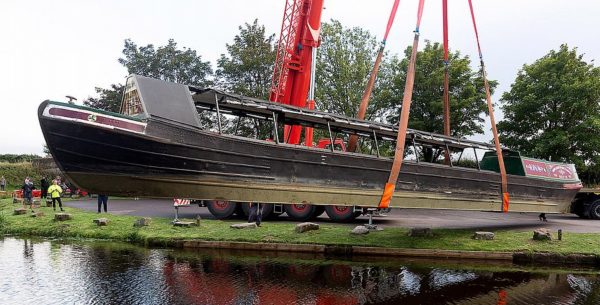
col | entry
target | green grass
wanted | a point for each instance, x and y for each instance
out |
(161, 232)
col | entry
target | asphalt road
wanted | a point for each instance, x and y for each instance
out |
(396, 218)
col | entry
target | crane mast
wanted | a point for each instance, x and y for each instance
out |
(300, 31)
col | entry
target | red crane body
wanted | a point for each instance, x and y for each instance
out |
(300, 31)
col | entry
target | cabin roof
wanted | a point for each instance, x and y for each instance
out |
(205, 99)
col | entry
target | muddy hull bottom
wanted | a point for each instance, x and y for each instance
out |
(165, 187)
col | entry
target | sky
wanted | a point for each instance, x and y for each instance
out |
(49, 49)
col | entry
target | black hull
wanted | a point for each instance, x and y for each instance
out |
(176, 161)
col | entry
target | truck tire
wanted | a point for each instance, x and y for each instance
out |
(341, 213)
(594, 210)
(300, 211)
(221, 209)
(267, 210)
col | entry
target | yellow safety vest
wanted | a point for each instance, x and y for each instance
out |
(55, 191)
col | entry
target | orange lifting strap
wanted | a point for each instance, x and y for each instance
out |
(505, 196)
(390, 186)
(446, 99)
(364, 102)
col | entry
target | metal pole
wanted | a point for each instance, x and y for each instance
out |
(218, 112)
(476, 158)
(415, 148)
(448, 155)
(276, 132)
(176, 214)
(376, 144)
(237, 125)
(330, 136)
(311, 90)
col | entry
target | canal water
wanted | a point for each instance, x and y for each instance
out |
(58, 272)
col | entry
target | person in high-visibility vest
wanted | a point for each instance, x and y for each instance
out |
(55, 191)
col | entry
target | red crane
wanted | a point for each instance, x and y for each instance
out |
(300, 31)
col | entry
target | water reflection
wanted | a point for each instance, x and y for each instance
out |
(51, 272)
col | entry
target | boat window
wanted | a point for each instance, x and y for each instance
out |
(131, 104)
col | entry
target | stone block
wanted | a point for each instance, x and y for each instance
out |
(142, 222)
(185, 224)
(62, 216)
(480, 235)
(101, 221)
(420, 232)
(542, 234)
(360, 230)
(37, 214)
(306, 226)
(248, 225)
(20, 211)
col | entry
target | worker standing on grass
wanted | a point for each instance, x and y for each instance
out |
(27, 193)
(2, 183)
(102, 202)
(44, 185)
(55, 191)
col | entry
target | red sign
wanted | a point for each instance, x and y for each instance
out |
(549, 170)
(180, 202)
(561, 171)
(535, 168)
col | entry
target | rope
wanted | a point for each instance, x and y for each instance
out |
(390, 186)
(504, 183)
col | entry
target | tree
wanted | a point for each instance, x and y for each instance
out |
(167, 63)
(552, 110)
(466, 90)
(247, 69)
(108, 99)
(344, 61)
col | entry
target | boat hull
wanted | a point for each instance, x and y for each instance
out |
(166, 159)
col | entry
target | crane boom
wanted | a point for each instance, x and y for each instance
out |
(300, 30)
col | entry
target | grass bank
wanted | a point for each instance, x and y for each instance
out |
(161, 232)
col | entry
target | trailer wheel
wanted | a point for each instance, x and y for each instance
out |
(267, 209)
(594, 210)
(341, 213)
(300, 211)
(221, 209)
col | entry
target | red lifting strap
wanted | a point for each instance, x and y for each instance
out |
(364, 102)
(390, 186)
(391, 19)
(504, 184)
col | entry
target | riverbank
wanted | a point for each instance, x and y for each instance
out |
(330, 238)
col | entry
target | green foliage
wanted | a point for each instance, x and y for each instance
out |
(15, 174)
(108, 99)
(467, 94)
(552, 111)
(247, 69)
(344, 62)
(167, 62)
(13, 158)
(3, 221)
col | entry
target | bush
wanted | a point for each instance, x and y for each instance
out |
(15, 174)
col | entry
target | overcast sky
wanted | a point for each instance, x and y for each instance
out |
(49, 49)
